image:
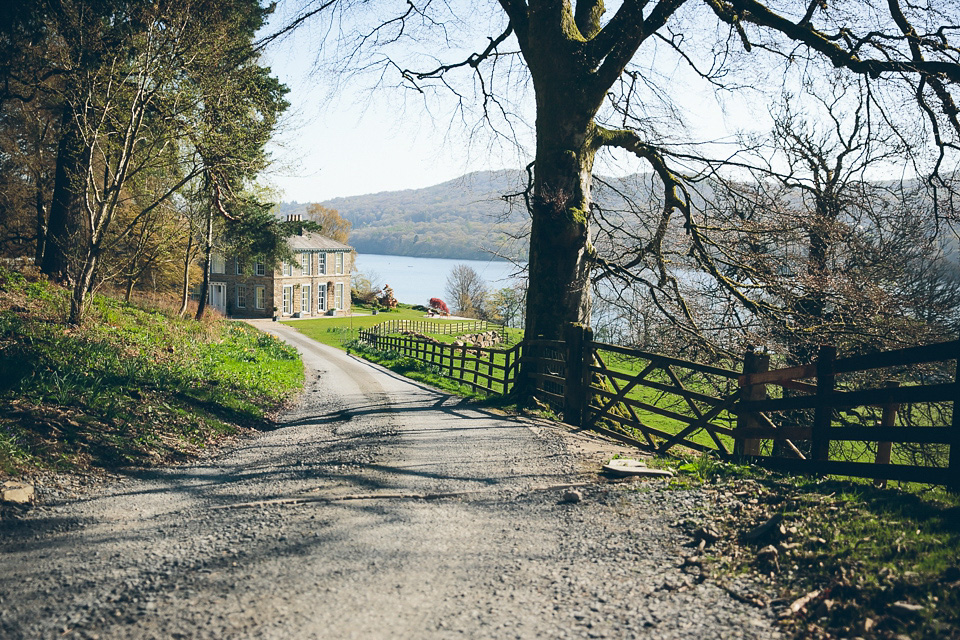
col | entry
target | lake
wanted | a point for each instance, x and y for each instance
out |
(416, 280)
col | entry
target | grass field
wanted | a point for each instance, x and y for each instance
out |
(134, 385)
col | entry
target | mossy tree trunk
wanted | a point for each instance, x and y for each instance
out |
(553, 42)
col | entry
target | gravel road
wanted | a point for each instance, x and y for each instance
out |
(379, 509)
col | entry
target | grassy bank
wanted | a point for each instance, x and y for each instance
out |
(841, 559)
(135, 385)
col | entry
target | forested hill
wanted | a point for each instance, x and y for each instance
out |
(464, 218)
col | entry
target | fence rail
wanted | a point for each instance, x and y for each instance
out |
(790, 418)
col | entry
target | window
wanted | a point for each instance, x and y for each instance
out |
(338, 296)
(241, 296)
(260, 294)
(239, 266)
(305, 299)
(288, 300)
(322, 264)
(260, 269)
(306, 263)
(321, 297)
(287, 269)
(339, 263)
(217, 263)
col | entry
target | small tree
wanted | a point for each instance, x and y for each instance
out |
(332, 224)
(439, 306)
(467, 291)
(386, 299)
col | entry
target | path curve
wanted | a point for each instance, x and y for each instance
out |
(380, 509)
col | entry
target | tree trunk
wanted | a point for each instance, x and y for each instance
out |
(41, 228)
(559, 267)
(207, 251)
(185, 291)
(83, 284)
(64, 221)
(131, 282)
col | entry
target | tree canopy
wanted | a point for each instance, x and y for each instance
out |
(138, 103)
(596, 87)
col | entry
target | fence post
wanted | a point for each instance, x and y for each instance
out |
(575, 392)
(887, 419)
(752, 363)
(823, 414)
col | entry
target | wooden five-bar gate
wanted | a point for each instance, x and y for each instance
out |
(842, 416)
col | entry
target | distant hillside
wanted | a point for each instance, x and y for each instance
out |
(465, 218)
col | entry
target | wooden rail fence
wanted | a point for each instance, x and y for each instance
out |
(790, 419)
(486, 370)
(455, 328)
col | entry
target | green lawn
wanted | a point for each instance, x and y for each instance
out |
(337, 331)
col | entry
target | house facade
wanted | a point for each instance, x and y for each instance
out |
(316, 283)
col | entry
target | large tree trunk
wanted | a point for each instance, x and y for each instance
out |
(559, 268)
(64, 221)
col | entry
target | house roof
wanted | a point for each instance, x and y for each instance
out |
(314, 241)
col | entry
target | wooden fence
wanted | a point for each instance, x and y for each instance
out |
(486, 370)
(795, 419)
(454, 328)
(827, 392)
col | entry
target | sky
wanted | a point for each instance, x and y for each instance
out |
(342, 139)
(347, 140)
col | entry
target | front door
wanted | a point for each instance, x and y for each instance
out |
(218, 296)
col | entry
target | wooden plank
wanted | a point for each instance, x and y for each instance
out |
(765, 422)
(779, 375)
(754, 364)
(683, 391)
(867, 397)
(935, 435)
(546, 376)
(659, 386)
(640, 426)
(616, 387)
(621, 393)
(639, 404)
(887, 419)
(686, 364)
(555, 397)
(535, 360)
(901, 395)
(905, 473)
(540, 342)
(799, 386)
(910, 355)
(703, 422)
(779, 433)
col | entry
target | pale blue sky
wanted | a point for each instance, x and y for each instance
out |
(340, 139)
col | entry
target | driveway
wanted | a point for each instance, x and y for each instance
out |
(379, 508)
